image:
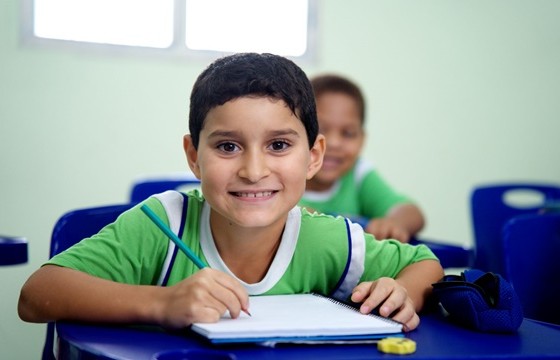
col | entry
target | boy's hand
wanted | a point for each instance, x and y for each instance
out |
(385, 228)
(202, 297)
(391, 298)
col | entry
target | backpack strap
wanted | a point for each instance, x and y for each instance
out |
(175, 204)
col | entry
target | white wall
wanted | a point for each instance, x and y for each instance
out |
(459, 93)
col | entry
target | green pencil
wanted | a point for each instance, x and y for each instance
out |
(177, 241)
(173, 237)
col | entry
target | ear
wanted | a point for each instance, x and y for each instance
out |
(192, 155)
(316, 156)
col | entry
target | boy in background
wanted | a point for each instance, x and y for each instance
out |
(347, 185)
(253, 143)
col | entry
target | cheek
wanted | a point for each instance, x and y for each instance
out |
(298, 177)
(212, 184)
(355, 147)
(211, 172)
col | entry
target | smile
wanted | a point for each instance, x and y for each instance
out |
(332, 159)
(259, 194)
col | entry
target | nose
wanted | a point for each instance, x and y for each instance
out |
(254, 166)
(334, 140)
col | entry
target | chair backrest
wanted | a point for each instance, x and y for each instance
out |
(531, 249)
(78, 224)
(491, 207)
(70, 228)
(142, 188)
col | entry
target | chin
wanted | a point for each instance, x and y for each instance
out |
(326, 180)
(330, 170)
(248, 220)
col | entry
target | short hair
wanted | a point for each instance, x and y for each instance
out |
(256, 75)
(331, 83)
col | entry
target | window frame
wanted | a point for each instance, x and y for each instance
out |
(177, 50)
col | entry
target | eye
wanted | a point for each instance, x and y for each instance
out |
(279, 145)
(228, 147)
(350, 134)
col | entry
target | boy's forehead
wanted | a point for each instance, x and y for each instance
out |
(254, 105)
(252, 113)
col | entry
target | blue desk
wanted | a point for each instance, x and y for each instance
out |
(13, 250)
(436, 339)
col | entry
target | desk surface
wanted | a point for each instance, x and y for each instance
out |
(436, 338)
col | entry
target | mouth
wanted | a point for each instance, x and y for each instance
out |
(331, 162)
(253, 194)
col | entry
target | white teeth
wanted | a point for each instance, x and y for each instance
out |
(254, 195)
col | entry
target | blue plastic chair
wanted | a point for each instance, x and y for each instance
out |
(145, 187)
(531, 247)
(491, 209)
(70, 228)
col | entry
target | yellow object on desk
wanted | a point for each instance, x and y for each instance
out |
(395, 345)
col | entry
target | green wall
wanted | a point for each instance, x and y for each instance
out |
(459, 92)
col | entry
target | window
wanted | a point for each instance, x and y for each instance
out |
(180, 27)
(123, 22)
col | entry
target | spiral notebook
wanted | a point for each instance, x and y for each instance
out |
(298, 318)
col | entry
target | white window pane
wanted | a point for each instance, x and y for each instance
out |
(274, 26)
(121, 22)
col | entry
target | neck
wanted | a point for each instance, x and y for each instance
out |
(247, 252)
(314, 185)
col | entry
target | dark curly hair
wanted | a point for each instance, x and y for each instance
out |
(257, 75)
(332, 83)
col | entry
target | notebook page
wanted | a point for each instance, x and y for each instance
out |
(296, 316)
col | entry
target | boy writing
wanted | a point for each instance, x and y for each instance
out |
(253, 143)
(345, 184)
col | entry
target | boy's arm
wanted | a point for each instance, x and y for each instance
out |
(418, 278)
(57, 293)
(401, 222)
(408, 216)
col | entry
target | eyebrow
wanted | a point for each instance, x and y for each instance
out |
(284, 132)
(234, 133)
(222, 133)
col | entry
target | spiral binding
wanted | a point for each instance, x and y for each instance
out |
(351, 306)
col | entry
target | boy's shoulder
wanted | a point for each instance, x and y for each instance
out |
(361, 169)
(315, 218)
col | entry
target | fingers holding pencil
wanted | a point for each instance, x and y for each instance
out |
(203, 297)
(237, 289)
(217, 291)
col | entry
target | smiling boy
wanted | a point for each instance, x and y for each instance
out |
(253, 143)
(348, 184)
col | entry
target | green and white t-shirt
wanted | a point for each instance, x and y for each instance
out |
(362, 192)
(317, 253)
